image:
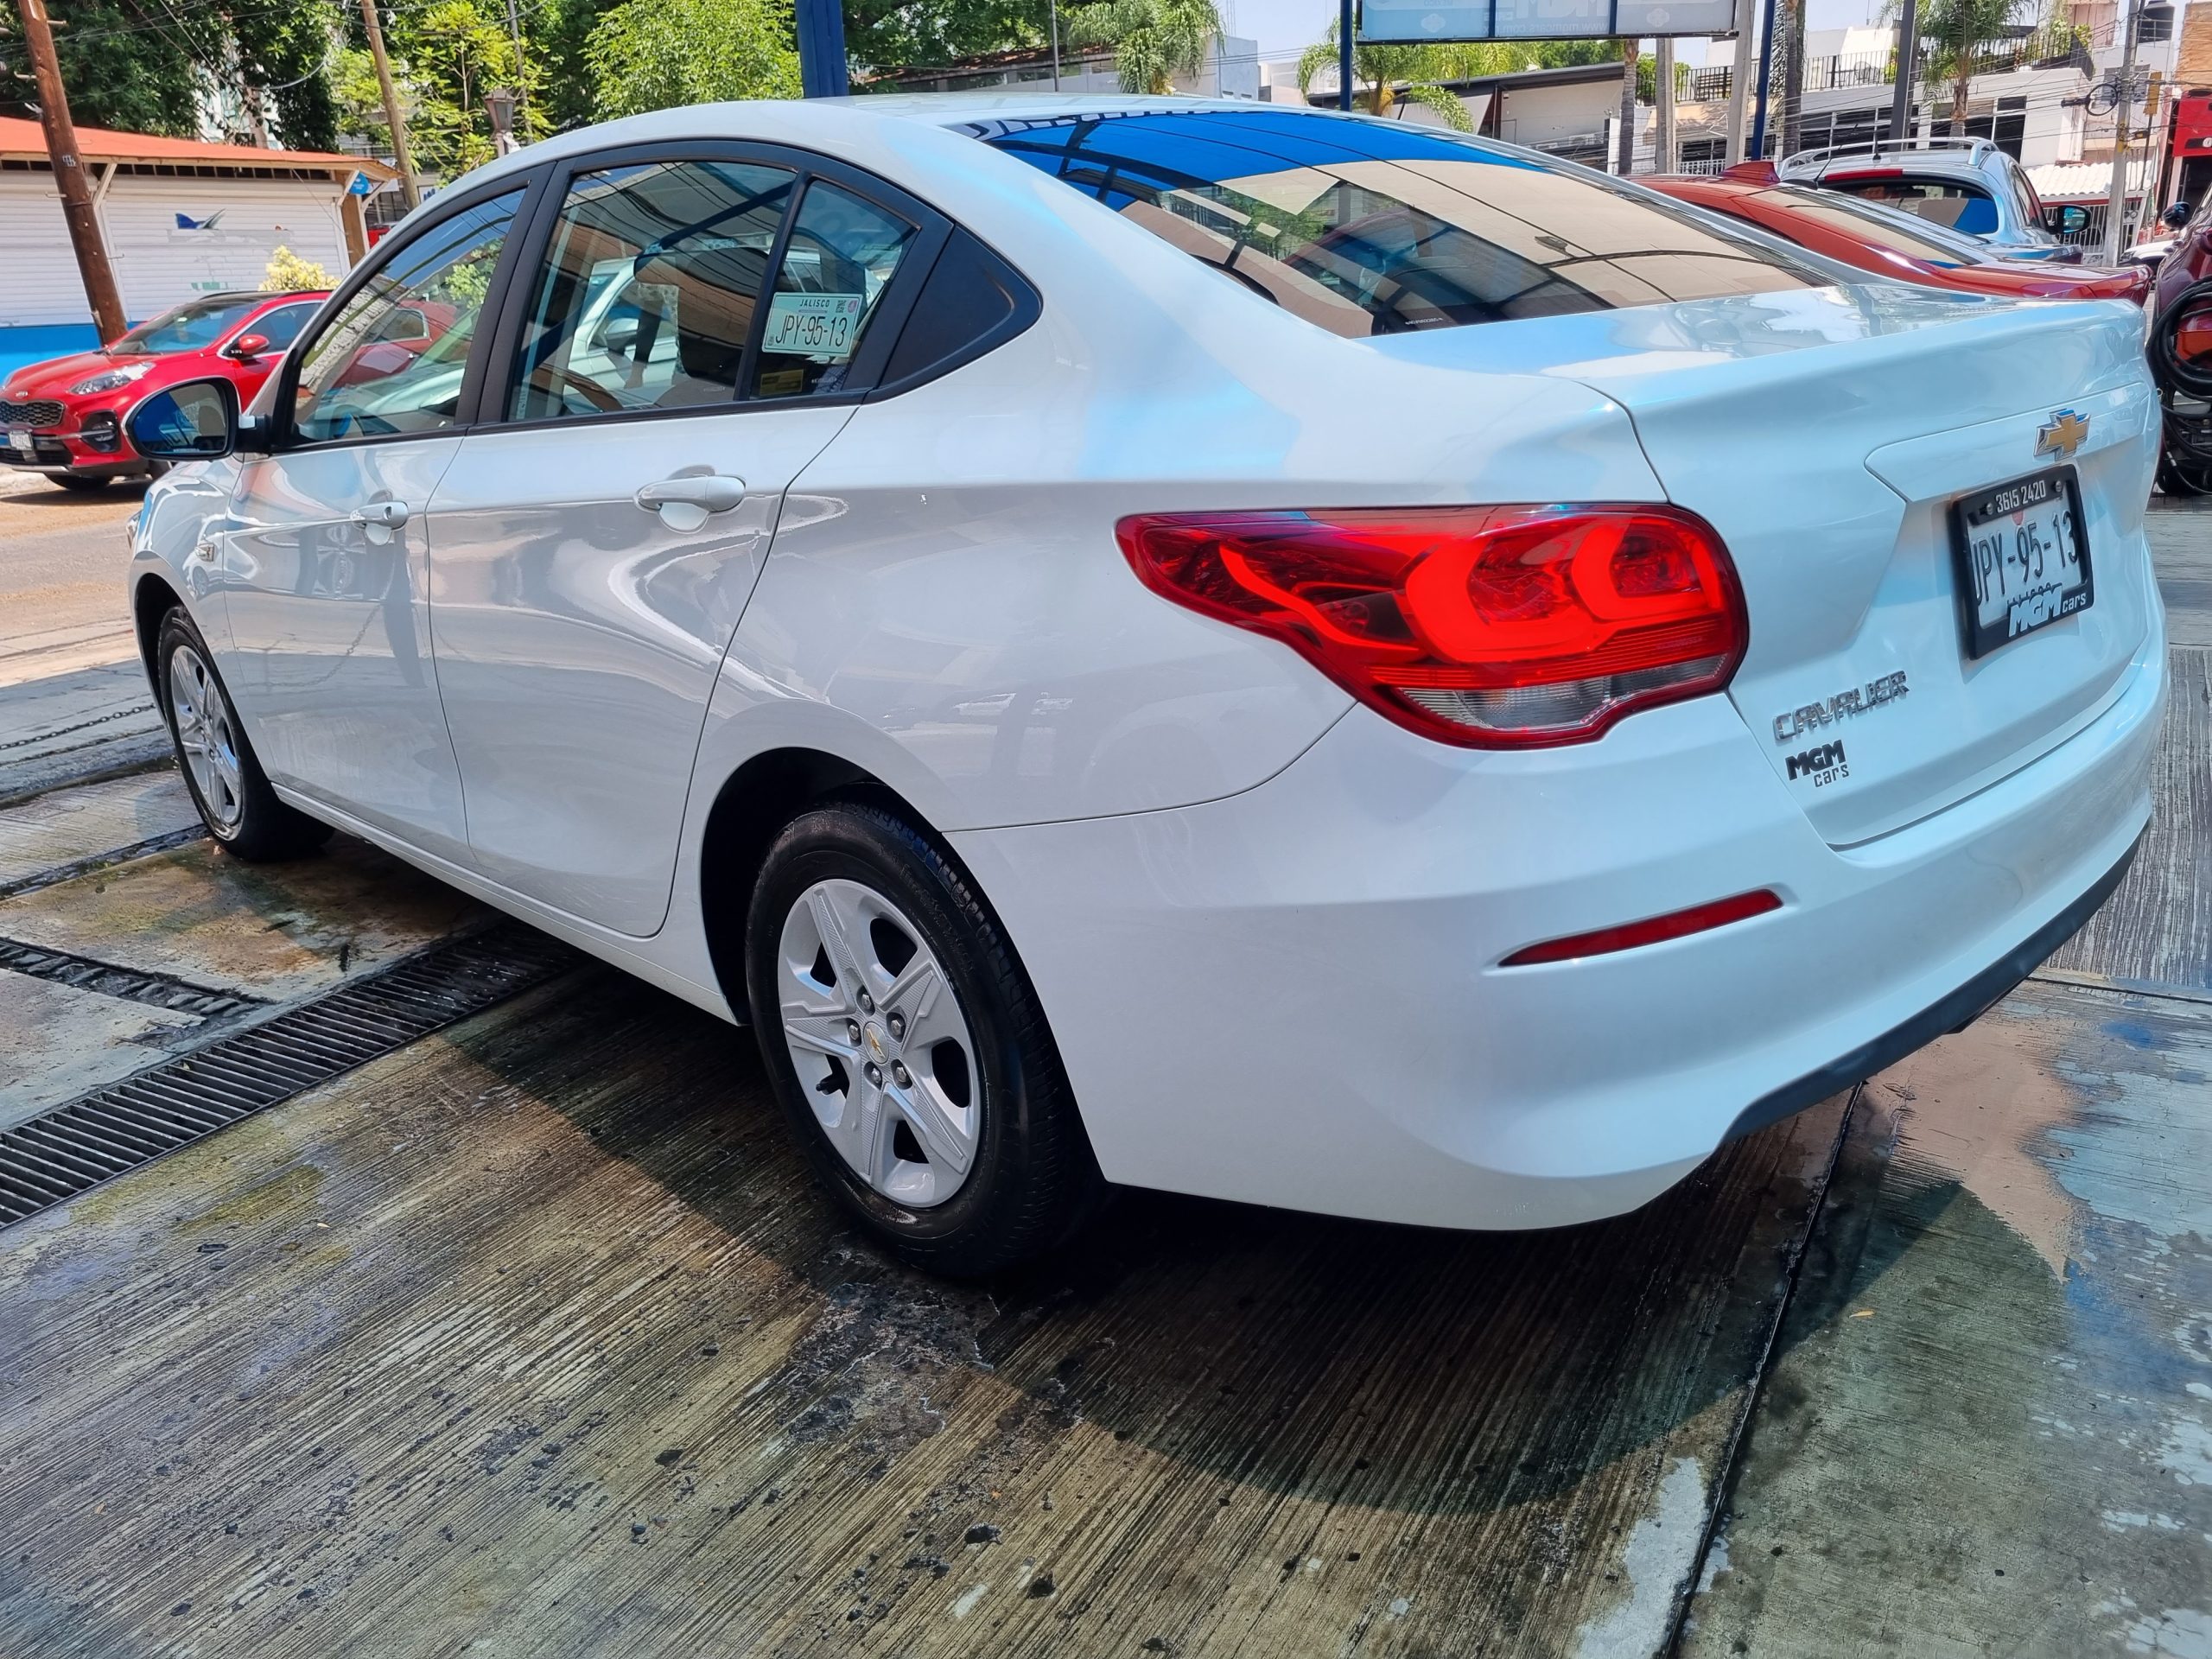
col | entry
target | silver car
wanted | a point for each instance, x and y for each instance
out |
(1965, 184)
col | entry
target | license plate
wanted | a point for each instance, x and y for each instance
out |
(20, 441)
(2023, 560)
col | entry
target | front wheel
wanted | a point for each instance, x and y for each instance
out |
(907, 1047)
(227, 785)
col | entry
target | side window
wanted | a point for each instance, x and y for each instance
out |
(972, 300)
(651, 281)
(282, 327)
(393, 357)
(842, 253)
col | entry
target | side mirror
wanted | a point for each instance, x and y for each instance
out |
(197, 420)
(246, 347)
(2066, 221)
(2177, 217)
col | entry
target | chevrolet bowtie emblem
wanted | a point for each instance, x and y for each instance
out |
(2066, 433)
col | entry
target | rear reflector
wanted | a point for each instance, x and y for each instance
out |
(1492, 627)
(1698, 918)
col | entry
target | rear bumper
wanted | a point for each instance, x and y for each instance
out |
(1292, 996)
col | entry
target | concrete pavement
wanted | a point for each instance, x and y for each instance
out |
(532, 1338)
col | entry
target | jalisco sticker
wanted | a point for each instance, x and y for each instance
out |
(814, 325)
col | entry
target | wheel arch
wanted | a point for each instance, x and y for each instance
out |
(754, 801)
(152, 598)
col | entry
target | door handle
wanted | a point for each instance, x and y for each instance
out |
(708, 492)
(390, 515)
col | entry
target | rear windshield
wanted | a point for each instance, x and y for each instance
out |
(1951, 202)
(1367, 227)
(1884, 227)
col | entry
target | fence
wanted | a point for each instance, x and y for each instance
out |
(1843, 70)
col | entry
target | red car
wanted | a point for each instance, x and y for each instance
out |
(64, 417)
(1855, 232)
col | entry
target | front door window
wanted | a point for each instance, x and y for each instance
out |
(392, 360)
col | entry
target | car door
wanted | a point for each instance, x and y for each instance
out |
(697, 327)
(326, 562)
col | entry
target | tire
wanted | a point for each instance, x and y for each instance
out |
(227, 785)
(850, 883)
(78, 483)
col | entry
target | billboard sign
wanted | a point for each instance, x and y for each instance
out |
(1397, 20)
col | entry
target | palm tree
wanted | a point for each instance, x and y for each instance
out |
(1954, 35)
(1414, 73)
(1153, 40)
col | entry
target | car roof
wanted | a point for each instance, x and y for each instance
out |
(810, 122)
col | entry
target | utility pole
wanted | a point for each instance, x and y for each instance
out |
(2116, 198)
(1055, 10)
(77, 209)
(1908, 61)
(410, 192)
(1664, 87)
(1739, 76)
(522, 79)
(822, 70)
(1344, 55)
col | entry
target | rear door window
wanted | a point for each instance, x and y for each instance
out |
(647, 294)
(841, 255)
(1368, 228)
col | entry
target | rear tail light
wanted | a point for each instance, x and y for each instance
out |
(1492, 627)
(2193, 336)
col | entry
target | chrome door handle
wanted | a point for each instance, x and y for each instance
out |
(708, 492)
(388, 514)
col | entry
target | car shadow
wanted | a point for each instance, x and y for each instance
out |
(1398, 1368)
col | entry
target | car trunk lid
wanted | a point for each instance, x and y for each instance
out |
(1826, 434)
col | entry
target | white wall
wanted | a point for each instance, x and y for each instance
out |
(157, 264)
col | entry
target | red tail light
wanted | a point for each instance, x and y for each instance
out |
(2193, 336)
(1493, 627)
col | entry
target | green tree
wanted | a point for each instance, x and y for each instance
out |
(1391, 75)
(654, 54)
(445, 56)
(901, 34)
(1153, 40)
(1954, 37)
(122, 71)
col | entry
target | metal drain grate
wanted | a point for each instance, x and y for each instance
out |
(162, 991)
(58, 1155)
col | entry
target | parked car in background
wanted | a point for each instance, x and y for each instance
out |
(2180, 346)
(1965, 184)
(64, 417)
(1881, 238)
(1215, 646)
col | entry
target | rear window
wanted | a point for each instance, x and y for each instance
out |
(1889, 228)
(1951, 202)
(1365, 227)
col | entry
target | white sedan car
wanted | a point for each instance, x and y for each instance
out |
(1207, 646)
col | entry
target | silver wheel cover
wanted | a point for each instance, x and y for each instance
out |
(879, 1043)
(206, 736)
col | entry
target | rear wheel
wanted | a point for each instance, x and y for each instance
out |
(227, 785)
(907, 1047)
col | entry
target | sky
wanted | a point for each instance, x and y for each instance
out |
(1285, 27)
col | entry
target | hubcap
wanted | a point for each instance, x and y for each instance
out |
(878, 1042)
(206, 736)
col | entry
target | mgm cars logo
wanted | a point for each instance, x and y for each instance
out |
(1824, 765)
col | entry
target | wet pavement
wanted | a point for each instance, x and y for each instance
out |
(533, 1337)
